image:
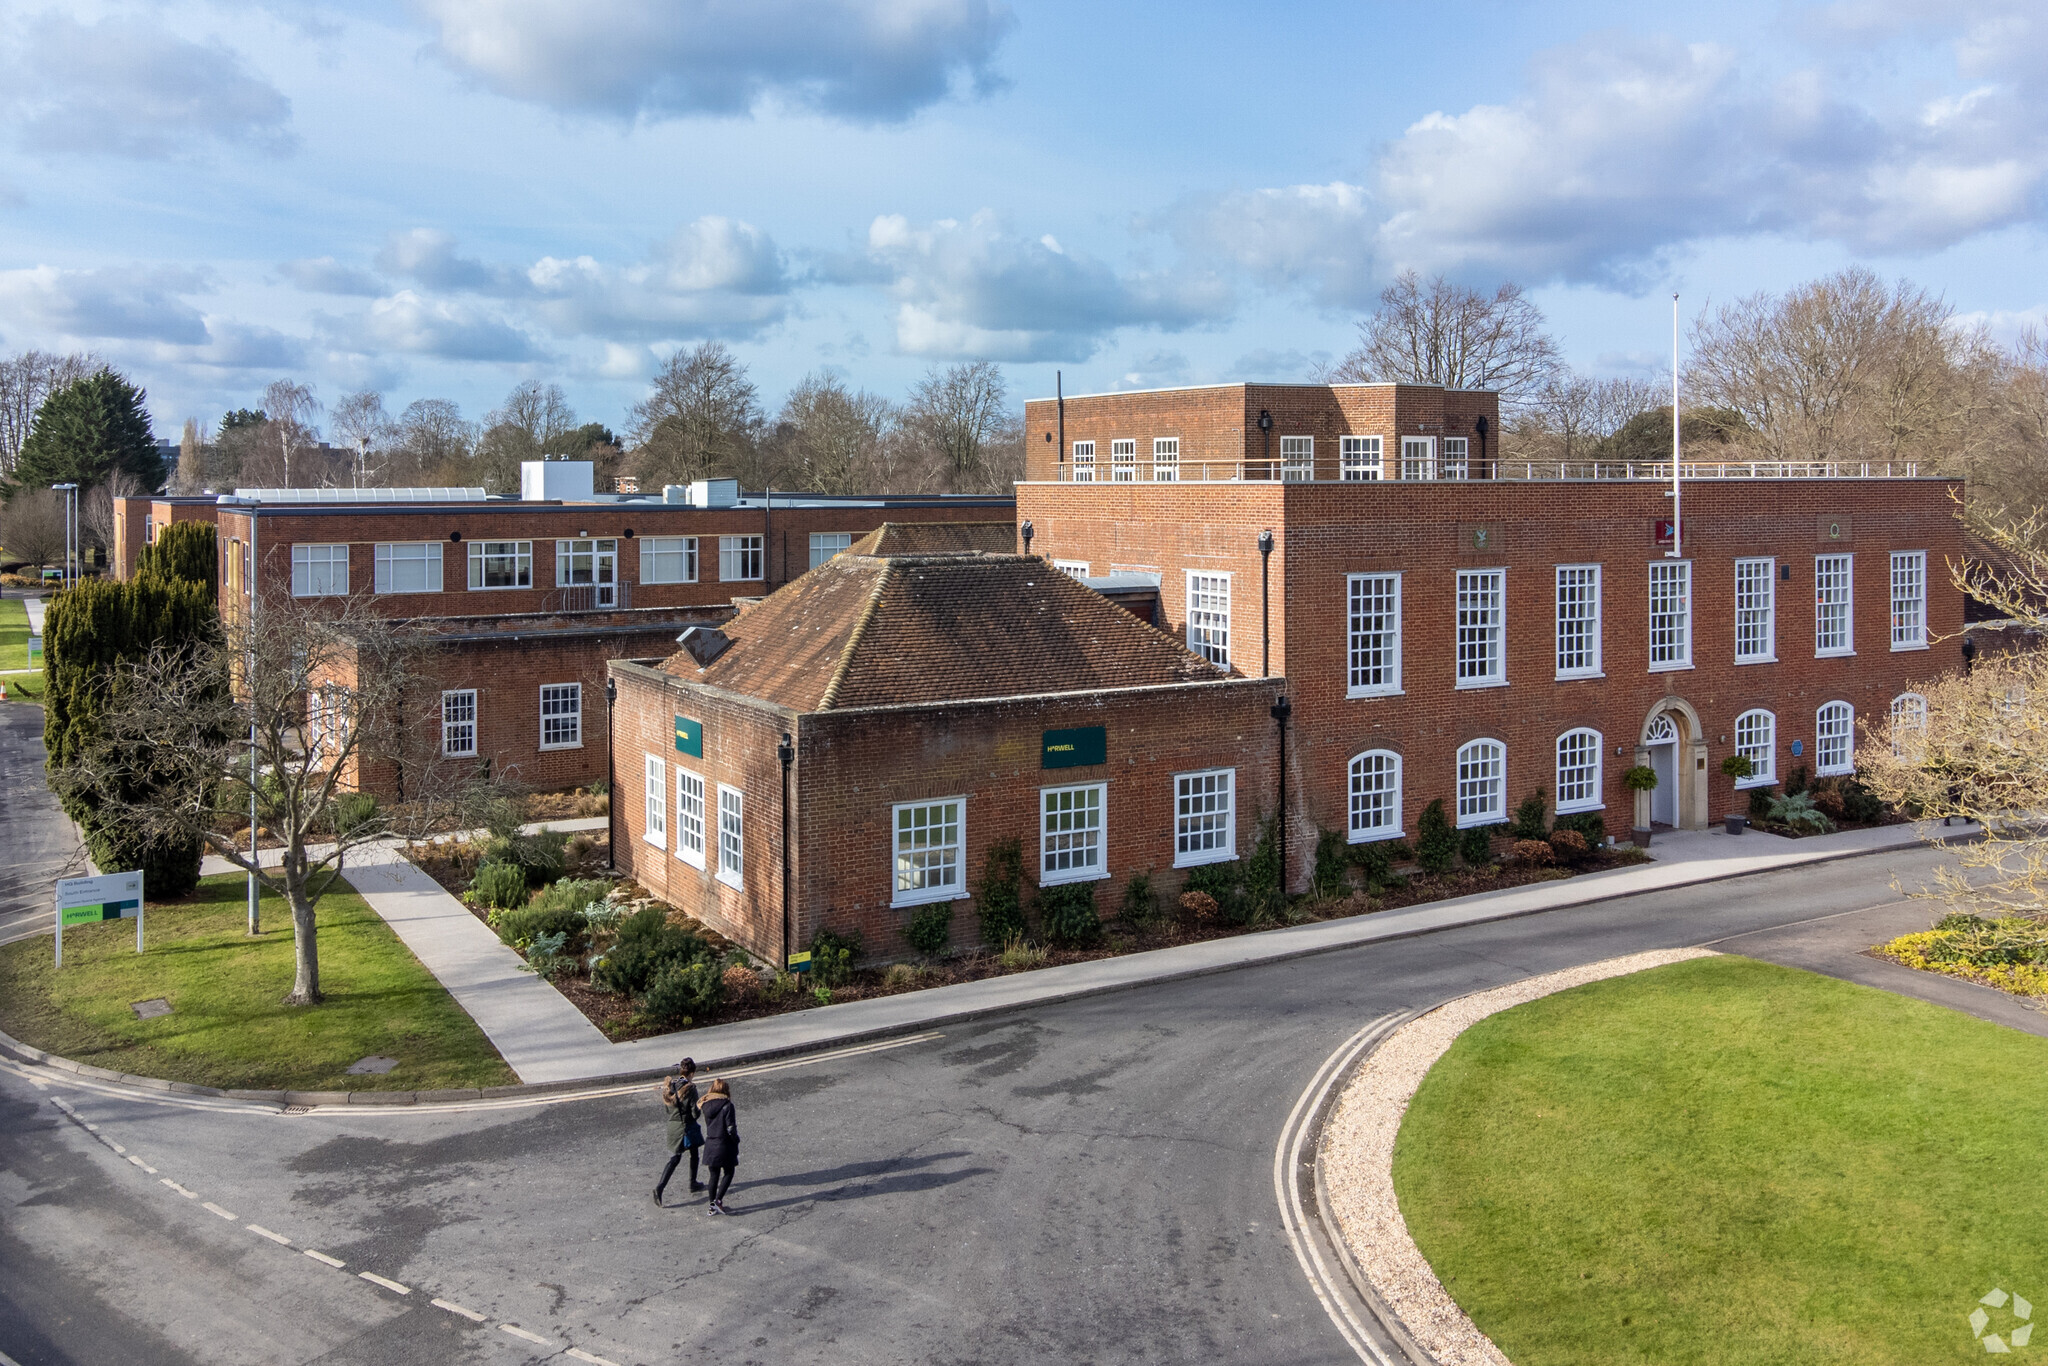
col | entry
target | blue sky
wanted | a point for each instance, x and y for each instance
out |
(442, 198)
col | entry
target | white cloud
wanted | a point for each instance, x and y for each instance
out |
(449, 329)
(717, 277)
(232, 345)
(429, 258)
(864, 60)
(113, 303)
(325, 275)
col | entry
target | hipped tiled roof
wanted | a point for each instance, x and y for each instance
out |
(924, 538)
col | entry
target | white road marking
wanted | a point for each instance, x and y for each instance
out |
(115, 1146)
(335, 1262)
(522, 1333)
(6, 1360)
(189, 1195)
(374, 1279)
(454, 1308)
(212, 1208)
(92, 1128)
(262, 1232)
(582, 1355)
(140, 1163)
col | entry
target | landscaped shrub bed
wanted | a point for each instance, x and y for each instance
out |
(1817, 806)
(2009, 952)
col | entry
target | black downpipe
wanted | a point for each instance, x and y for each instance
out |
(1265, 600)
(611, 777)
(1281, 711)
(787, 753)
(1059, 390)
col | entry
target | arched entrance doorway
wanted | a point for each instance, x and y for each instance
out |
(1661, 739)
(1673, 747)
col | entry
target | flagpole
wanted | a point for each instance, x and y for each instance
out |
(1677, 551)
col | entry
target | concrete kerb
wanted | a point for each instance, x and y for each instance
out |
(1022, 991)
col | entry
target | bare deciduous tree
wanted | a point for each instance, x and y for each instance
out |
(960, 415)
(701, 420)
(99, 505)
(1572, 413)
(25, 381)
(432, 445)
(273, 446)
(1444, 333)
(527, 426)
(32, 527)
(826, 436)
(190, 476)
(361, 425)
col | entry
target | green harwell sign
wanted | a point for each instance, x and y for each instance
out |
(1075, 748)
(689, 736)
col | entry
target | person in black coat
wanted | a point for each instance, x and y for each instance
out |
(721, 1142)
(679, 1094)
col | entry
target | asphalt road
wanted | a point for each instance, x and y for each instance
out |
(1089, 1182)
(36, 842)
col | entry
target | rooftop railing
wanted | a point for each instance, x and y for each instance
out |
(1475, 470)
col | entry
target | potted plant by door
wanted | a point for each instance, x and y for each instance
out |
(1641, 778)
(1738, 767)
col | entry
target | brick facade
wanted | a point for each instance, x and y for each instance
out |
(138, 520)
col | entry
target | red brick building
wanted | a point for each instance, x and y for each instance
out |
(934, 704)
(137, 521)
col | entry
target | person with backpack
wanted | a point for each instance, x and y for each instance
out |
(721, 1142)
(685, 1134)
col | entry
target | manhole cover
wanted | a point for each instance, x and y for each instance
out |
(372, 1067)
(149, 1010)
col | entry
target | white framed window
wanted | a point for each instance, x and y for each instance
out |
(1756, 611)
(668, 559)
(1418, 457)
(1756, 739)
(1166, 459)
(1123, 461)
(1670, 615)
(1297, 458)
(1482, 628)
(1909, 599)
(689, 817)
(1834, 592)
(148, 530)
(458, 723)
(826, 544)
(1909, 721)
(1077, 568)
(1204, 817)
(501, 564)
(1834, 739)
(328, 716)
(739, 558)
(320, 571)
(1482, 783)
(1578, 771)
(1375, 635)
(579, 563)
(1209, 616)
(1578, 621)
(561, 715)
(1457, 462)
(656, 832)
(1084, 462)
(931, 842)
(1070, 834)
(1375, 796)
(732, 866)
(408, 567)
(1358, 457)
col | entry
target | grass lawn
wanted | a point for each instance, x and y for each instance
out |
(226, 1027)
(22, 683)
(1729, 1162)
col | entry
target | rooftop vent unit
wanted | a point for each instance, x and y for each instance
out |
(704, 644)
(557, 478)
(676, 493)
(714, 493)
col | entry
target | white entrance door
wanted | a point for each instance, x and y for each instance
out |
(1662, 742)
(607, 575)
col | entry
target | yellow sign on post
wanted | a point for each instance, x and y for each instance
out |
(800, 962)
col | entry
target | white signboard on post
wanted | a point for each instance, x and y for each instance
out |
(89, 900)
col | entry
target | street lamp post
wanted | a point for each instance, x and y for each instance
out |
(70, 492)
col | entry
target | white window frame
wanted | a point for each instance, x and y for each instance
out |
(569, 692)
(952, 853)
(1674, 652)
(1909, 610)
(452, 727)
(482, 554)
(1834, 724)
(1166, 459)
(1757, 612)
(1123, 460)
(1384, 766)
(656, 812)
(655, 549)
(393, 555)
(148, 529)
(1380, 596)
(598, 550)
(1098, 866)
(1825, 606)
(1198, 837)
(1209, 627)
(1909, 712)
(1595, 773)
(1473, 757)
(1477, 631)
(313, 570)
(825, 545)
(690, 827)
(1083, 463)
(1360, 459)
(1760, 749)
(329, 718)
(1573, 612)
(1456, 460)
(1418, 457)
(734, 552)
(1297, 459)
(732, 837)
(1074, 568)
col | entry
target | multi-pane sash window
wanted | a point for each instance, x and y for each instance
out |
(408, 567)
(1456, 462)
(689, 817)
(1756, 611)
(501, 564)
(1834, 739)
(1671, 615)
(1298, 458)
(1481, 627)
(668, 559)
(1909, 722)
(656, 832)
(1209, 616)
(1418, 457)
(149, 530)
(731, 846)
(1909, 600)
(1204, 817)
(1578, 770)
(1077, 568)
(1375, 796)
(1166, 459)
(930, 862)
(1833, 603)
(327, 721)
(1482, 783)
(739, 557)
(1375, 635)
(1359, 457)
(561, 715)
(458, 723)
(1756, 739)
(319, 571)
(1578, 621)
(1123, 461)
(1084, 462)
(826, 544)
(1070, 833)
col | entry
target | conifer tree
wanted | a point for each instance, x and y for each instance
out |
(85, 431)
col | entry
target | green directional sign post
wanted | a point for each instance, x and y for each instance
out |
(689, 737)
(90, 900)
(1076, 748)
